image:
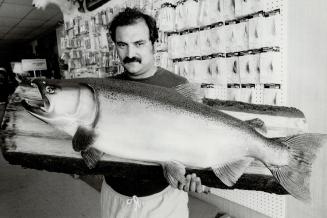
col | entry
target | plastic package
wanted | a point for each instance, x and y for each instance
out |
(232, 70)
(256, 36)
(234, 93)
(217, 38)
(217, 70)
(249, 69)
(270, 69)
(191, 11)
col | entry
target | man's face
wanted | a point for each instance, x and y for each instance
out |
(134, 48)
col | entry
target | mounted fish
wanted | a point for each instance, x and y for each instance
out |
(143, 122)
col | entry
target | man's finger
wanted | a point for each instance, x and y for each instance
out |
(193, 183)
(187, 183)
(180, 186)
(199, 187)
(206, 189)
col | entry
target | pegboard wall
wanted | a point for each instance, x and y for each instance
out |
(270, 205)
(237, 47)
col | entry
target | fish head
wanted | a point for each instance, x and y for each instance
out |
(65, 104)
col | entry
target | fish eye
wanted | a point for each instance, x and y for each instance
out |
(50, 89)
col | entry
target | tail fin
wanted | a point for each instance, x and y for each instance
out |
(295, 176)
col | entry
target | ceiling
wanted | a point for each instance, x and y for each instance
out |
(20, 22)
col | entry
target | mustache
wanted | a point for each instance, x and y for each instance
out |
(133, 59)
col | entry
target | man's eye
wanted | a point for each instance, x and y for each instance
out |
(138, 44)
(121, 45)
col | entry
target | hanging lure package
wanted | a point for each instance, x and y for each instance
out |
(238, 8)
(191, 13)
(205, 74)
(179, 69)
(217, 39)
(184, 45)
(186, 69)
(271, 30)
(204, 13)
(230, 38)
(194, 47)
(162, 60)
(247, 94)
(229, 9)
(232, 69)
(241, 36)
(233, 92)
(103, 42)
(86, 42)
(110, 13)
(205, 42)
(270, 68)
(210, 11)
(63, 42)
(200, 70)
(162, 42)
(237, 37)
(272, 94)
(249, 68)
(256, 5)
(166, 19)
(217, 11)
(243, 8)
(84, 27)
(180, 17)
(256, 33)
(175, 46)
(217, 71)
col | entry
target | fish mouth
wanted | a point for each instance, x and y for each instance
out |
(39, 107)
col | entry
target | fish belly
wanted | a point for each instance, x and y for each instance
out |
(142, 130)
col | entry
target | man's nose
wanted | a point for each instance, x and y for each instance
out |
(131, 51)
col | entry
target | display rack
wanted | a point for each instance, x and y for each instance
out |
(229, 44)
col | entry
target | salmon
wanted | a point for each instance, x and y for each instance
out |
(138, 121)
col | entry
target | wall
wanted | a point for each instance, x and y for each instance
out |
(307, 60)
(307, 89)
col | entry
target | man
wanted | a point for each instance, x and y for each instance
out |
(134, 34)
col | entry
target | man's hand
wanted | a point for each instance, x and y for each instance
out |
(192, 184)
(174, 173)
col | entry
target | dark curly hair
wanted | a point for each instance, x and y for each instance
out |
(132, 16)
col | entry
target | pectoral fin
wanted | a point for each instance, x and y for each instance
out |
(174, 172)
(82, 141)
(83, 138)
(91, 156)
(229, 173)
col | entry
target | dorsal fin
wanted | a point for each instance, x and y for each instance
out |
(257, 124)
(190, 90)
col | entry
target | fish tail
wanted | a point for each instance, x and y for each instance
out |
(295, 176)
